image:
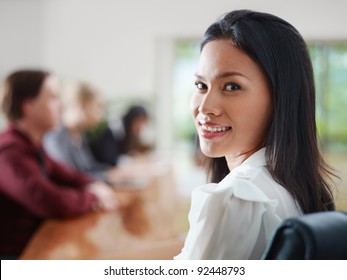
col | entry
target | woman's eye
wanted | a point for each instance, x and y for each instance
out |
(231, 87)
(200, 86)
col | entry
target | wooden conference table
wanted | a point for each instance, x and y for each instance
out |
(143, 229)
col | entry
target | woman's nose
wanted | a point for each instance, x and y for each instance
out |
(210, 104)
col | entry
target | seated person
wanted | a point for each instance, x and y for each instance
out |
(82, 111)
(122, 139)
(34, 187)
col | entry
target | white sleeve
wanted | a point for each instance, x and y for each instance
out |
(228, 225)
(236, 231)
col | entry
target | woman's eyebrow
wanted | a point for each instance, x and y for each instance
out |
(223, 75)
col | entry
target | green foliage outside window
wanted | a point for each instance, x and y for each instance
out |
(330, 69)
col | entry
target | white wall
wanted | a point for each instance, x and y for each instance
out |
(112, 42)
(21, 34)
(116, 44)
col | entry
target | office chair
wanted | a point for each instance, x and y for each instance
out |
(316, 236)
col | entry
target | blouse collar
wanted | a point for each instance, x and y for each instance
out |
(255, 161)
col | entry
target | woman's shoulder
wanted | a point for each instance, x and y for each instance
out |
(256, 185)
(58, 142)
(60, 135)
(248, 183)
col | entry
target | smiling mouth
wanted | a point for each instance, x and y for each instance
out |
(214, 129)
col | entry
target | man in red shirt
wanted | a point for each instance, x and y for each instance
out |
(32, 185)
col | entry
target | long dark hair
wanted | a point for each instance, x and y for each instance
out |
(134, 112)
(20, 86)
(292, 152)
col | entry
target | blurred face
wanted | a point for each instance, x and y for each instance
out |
(138, 124)
(44, 110)
(92, 113)
(232, 105)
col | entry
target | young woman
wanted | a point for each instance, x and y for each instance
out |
(254, 110)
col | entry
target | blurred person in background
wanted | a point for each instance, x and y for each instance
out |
(82, 111)
(254, 111)
(123, 138)
(34, 187)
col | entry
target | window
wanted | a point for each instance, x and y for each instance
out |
(330, 69)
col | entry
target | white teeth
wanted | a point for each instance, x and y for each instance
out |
(214, 129)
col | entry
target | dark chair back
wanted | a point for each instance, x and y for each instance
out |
(316, 236)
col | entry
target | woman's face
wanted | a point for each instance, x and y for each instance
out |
(232, 105)
(137, 125)
(92, 112)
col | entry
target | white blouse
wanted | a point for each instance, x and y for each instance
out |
(235, 218)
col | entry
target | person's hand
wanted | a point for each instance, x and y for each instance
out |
(106, 197)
